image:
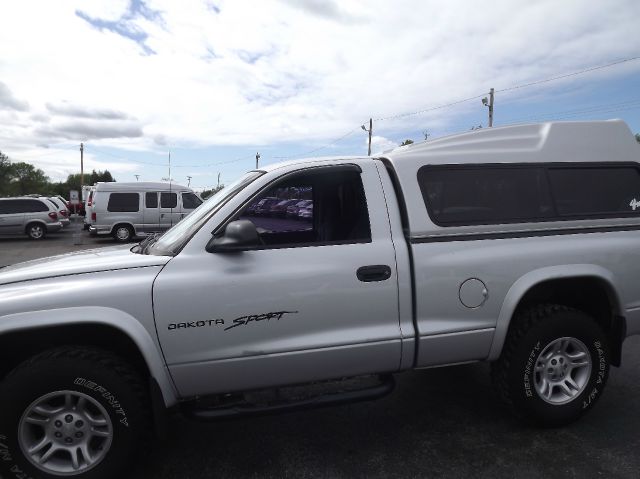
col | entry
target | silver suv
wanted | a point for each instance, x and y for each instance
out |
(34, 217)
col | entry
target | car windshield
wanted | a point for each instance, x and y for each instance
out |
(173, 240)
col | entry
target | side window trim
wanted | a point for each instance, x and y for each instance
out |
(268, 187)
(221, 227)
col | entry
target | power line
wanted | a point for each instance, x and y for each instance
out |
(333, 142)
(633, 103)
(515, 87)
(567, 75)
(402, 115)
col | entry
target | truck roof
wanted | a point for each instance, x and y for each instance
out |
(583, 141)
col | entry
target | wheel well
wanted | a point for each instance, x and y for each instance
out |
(128, 225)
(19, 346)
(34, 222)
(590, 295)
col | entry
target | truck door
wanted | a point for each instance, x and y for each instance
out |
(318, 300)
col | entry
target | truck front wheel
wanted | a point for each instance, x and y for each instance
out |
(71, 412)
(554, 365)
(122, 233)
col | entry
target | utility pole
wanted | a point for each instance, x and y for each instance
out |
(370, 130)
(257, 158)
(490, 105)
(218, 186)
(491, 108)
(81, 169)
(188, 181)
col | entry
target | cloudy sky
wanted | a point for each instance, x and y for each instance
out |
(214, 81)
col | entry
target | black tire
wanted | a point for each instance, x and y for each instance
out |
(515, 376)
(103, 378)
(36, 231)
(122, 233)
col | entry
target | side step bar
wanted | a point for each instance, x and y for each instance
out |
(198, 409)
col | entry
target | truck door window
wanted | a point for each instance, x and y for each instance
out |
(307, 209)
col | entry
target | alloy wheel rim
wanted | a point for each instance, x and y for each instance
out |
(122, 234)
(36, 232)
(65, 433)
(562, 370)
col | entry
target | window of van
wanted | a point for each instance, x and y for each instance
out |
(124, 202)
(168, 200)
(190, 201)
(151, 200)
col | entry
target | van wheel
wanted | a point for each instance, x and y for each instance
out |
(554, 365)
(71, 411)
(122, 233)
(36, 231)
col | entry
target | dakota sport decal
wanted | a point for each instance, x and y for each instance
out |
(241, 321)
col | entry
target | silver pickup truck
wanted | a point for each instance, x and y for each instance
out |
(515, 245)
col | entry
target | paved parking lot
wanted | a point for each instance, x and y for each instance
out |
(14, 249)
(439, 423)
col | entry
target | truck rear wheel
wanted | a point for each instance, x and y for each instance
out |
(71, 412)
(554, 365)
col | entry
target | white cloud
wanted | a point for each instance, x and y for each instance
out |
(240, 72)
(380, 144)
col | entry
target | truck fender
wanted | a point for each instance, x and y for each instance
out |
(535, 277)
(115, 318)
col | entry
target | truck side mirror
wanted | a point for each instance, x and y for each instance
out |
(238, 236)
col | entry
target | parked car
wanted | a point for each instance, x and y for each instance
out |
(515, 245)
(33, 216)
(61, 208)
(67, 204)
(306, 212)
(292, 210)
(126, 210)
(280, 208)
(263, 206)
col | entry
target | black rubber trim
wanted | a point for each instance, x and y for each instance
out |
(617, 336)
(522, 234)
(385, 387)
(160, 420)
(404, 218)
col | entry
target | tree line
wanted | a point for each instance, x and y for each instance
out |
(20, 178)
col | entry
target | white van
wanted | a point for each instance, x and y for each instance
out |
(125, 210)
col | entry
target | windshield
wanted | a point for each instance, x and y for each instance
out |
(176, 237)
